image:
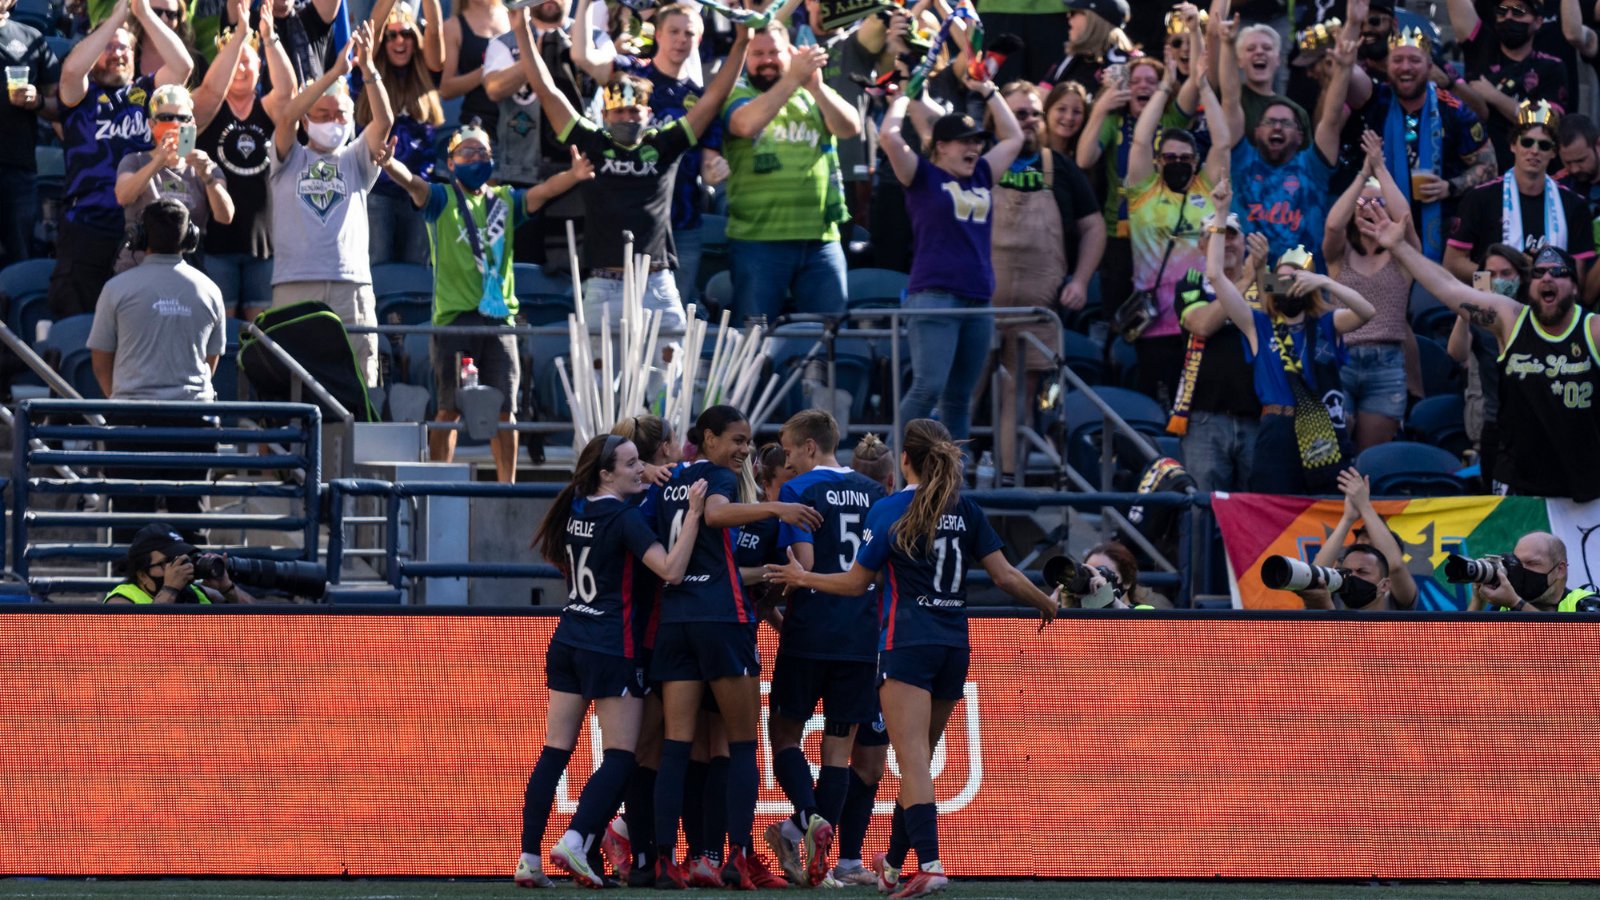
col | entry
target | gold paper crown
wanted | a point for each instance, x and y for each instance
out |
(1541, 113)
(402, 15)
(1321, 36)
(1298, 256)
(622, 94)
(226, 35)
(1411, 37)
(1176, 24)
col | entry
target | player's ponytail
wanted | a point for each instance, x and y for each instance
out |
(599, 455)
(936, 459)
(648, 433)
(872, 459)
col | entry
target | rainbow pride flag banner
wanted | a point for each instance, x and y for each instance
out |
(1256, 526)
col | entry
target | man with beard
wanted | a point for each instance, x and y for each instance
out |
(1503, 67)
(103, 119)
(1549, 419)
(1536, 583)
(1435, 147)
(20, 109)
(786, 193)
(1281, 183)
(1578, 140)
(1525, 208)
(1377, 579)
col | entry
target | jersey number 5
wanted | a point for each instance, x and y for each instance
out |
(849, 538)
(583, 583)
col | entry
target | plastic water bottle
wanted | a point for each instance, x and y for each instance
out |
(469, 373)
(985, 476)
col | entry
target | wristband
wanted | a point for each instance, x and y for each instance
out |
(990, 96)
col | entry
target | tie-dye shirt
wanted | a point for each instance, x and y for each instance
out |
(1153, 217)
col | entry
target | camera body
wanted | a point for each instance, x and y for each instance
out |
(1072, 577)
(1462, 570)
(1285, 573)
(295, 577)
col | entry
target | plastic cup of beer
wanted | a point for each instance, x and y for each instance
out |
(16, 79)
(1421, 177)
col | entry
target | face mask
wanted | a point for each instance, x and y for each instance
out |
(1288, 306)
(1357, 592)
(1373, 49)
(625, 133)
(472, 175)
(1177, 176)
(328, 134)
(1514, 34)
(1506, 287)
(1528, 585)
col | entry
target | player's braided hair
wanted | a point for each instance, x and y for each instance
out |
(648, 433)
(872, 459)
(936, 459)
(599, 455)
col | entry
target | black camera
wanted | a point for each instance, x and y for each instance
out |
(295, 577)
(1462, 570)
(1072, 577)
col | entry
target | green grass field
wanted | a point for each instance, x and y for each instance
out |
(360, 889)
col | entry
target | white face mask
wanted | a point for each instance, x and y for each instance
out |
(329, 135)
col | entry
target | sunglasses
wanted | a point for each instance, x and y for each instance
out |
(1369, 201)
(398, 34)
(170, 15)
(1026, 114)
(1511, 12)
(1528, 143)
(1553, 271)
(174, 117)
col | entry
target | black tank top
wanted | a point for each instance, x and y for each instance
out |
(241, 148)
(1549, 411)
(476, 102)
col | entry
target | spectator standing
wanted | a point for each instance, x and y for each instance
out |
(1066, 108)
(319, 197)
(1048, 237)
(949, 199)
(148, 175)
(1375, 377)
(157, 334)
(855, 56)
(238, 253)
(1040, 24)
(175, 15)
(1478, 351)
(103, 119)
(1166, 205)
(1503, 66)
(20, 108)
(306, 29)
(466, 38)
(1578, 140)
(472, 229)
(785, 190)
(397, 232)
(1094, 41)
(1250, 63)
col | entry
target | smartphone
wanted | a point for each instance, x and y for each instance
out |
(1481, 281)
(185, 140)
(1274, 283)
(1117, 74)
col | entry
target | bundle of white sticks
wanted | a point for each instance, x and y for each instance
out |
(629, 353)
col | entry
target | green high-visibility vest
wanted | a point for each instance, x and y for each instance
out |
(135, 594)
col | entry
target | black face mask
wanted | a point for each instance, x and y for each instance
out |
(1373, 48)
(1514, 34)
(1177, 176)
(1529, 585)
(1357, 592)
(1288, 306)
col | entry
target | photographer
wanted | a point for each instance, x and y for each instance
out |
(161, 570)
(1533, 579)
(1378, 577)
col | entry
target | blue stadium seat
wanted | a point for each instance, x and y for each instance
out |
(875, 288)
(398, 279)
(1440, 374)
(395, 310)
(67, 335)
(713, 235)
(1405, 468)
(25, 285)
(532, 280)
(1434, 322)
(546, 310)
(1124, 364)
(719, 290)
(1085, 425)
(1083, 356)
(419, 367)
(1440, 421)
(77, 368)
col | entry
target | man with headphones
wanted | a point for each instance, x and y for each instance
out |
(157, 335)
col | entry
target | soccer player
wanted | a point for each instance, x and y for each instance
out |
(594, 535)
(708, 635)
(923, 539)
(827, 651)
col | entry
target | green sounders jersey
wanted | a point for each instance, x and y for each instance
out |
(458, 283)
(785, 184)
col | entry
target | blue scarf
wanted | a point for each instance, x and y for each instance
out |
(1430, 143)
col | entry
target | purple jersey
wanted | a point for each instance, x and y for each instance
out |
(950, 227)
(106, 125)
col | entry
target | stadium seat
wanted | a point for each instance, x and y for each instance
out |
(419, 366)
(1405, 468)
(1440, 374)
(67, 335)
(77, 368)
(25, 286)
(397, 279)
(875, 288)
(1435, 323)
(41, 14)
(1440, 421)
(719, 290)
(532, 280)
(548, 310)
(713, 234)
(1083, 356)
(1085, 424)
(1124, 364)
(397, 310)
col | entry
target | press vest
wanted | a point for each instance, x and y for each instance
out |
(135, 594)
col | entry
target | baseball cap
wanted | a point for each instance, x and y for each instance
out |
(1381, 7)
(957, 127)
(158, 536)
(1232, 222)
(1113, 11)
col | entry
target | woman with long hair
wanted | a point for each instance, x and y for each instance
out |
(397, 231)
(925, 537)
(1375, 378)
(707, 635)
(1066, 108)
(594, 534)
(1093, 42)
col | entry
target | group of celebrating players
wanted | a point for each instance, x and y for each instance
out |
(670, 563)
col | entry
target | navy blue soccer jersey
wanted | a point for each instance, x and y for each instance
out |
(606, 541)
(710, 591)
(108, 124)
(924, 598)
(646, 585)
(823, 626)
(758, 544)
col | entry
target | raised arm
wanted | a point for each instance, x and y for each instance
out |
(1578, 34)
(175, 59)
(75, 69)
(1228, 295)
(720, 513)
(840, 117)
(433, 35)
(669, 565)
(285, 127)
(1141, 155)
(376, 134)
(1220, 156)
(1008, 134)
(709, 106)
(595, 60)
(415, 186)
(1111, 97)
(1358, 494)
(1334, 96)
(901, 157)
(1393, 198)
(1341, 215)
(207, 98)
(1229, 84)
(279, 70)
(1194, 41)
(1463, 19)
(748, 120)
(1357, 309)
(558, 110)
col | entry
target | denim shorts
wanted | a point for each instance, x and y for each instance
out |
(1375, 380)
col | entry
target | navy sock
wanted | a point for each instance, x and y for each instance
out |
(641, 816)
(603, 793)
(716, 807)
(743, 781)
(540, 794)
(789, 766)
(922, 826)
(669, 794)
(832, 782)
(857, 816)
(694, 808)
(899, 841)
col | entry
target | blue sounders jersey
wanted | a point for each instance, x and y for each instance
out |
(710, 591)
(606, 539)
(646, 584)
(924, 598)
(108, 124)
(823, 626)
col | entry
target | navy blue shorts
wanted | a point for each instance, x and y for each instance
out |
(595, 675)
(847, 688)
(704, 651)
(874, 733)
(941, 671)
